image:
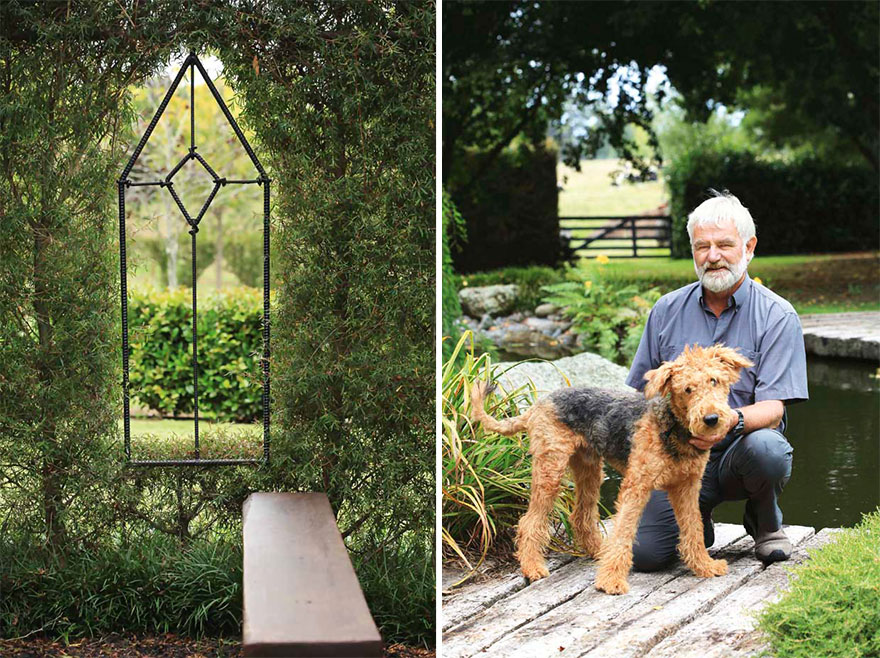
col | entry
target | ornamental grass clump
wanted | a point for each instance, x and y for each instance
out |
(609, 318)
(833, 606)
(486, 476)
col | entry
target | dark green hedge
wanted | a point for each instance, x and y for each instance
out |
(511, 210)
(804, 206)
(230, 344)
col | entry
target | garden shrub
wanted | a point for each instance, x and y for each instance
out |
(797, 205)
(833, 605)
(230, 346)
(452, 229)
(156, 584)
(511, 213)
(608, 317)
(486, 476)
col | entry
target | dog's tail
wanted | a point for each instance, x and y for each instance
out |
(506, 427)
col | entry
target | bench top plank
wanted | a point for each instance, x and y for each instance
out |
(301, 593)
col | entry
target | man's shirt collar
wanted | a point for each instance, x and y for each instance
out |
(738, 299)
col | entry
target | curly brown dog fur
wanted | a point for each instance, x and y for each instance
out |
(645, 438)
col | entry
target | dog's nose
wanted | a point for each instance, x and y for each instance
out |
(711, 420)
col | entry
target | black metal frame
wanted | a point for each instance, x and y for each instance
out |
(192, 62)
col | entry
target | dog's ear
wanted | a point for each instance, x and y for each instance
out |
(730, 358)
(658, 380)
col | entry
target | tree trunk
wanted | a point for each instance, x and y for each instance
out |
(218, 258)
(52, 468)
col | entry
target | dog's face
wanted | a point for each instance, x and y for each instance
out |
(698, 383)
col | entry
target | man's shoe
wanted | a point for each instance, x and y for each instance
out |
(772, 546)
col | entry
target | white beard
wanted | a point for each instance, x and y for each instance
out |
(724, 278)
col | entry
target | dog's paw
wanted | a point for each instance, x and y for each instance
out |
(611, 585)
(534, 573)
(712, 568)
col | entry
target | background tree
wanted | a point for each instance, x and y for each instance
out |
(510, 67)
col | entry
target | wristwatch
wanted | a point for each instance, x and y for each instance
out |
(740, 424)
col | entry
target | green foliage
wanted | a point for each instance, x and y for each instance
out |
(453, 229)
(833, 606)
(230, 346)
(62, 109)
(341, 98)
(486, 476)
(156, 585)
(398, 584)
(511, 216)
(352, 156)
(512, 67)
(608, 318)
(797, 205)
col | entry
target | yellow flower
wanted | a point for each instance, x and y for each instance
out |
(757, 280)
(588, 284)
(464, 283)
(602, 259)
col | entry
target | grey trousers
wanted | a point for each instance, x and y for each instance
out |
(755, 467)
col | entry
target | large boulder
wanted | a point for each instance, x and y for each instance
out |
(584, 369)
(494, 300)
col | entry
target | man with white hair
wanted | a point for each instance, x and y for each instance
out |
(753, 461)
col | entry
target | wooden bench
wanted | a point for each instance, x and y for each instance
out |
(301, 594)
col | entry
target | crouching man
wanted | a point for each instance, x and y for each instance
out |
(753, 461)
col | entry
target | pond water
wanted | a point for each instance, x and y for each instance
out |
(835, 476)
(836, 438)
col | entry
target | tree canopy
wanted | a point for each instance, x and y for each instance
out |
(807, 70)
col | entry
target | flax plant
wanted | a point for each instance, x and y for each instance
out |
(486, 476)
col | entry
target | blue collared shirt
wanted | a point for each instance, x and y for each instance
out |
(758, 323)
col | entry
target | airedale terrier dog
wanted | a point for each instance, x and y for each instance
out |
(644, 437)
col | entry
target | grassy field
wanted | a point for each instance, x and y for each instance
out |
(590, 192)
(166, 427)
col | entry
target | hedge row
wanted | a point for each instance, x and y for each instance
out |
(511, 213)
(230, 345)
(804, 206)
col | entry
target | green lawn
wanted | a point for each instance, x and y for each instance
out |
(166, 427)
(589, 191)
(173, 439)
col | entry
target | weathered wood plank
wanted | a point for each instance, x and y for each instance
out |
(469, 599)
(571, 621)
(728, 629)
(301, 594)
(522, 608)
(665, 610)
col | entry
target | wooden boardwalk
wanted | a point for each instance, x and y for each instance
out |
(665, 614)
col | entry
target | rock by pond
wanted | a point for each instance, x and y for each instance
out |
(584, 369)
(494, 300)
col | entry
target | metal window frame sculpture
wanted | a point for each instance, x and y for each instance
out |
(192, 63)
